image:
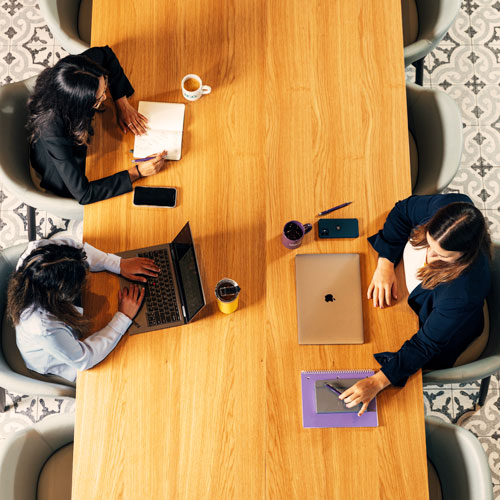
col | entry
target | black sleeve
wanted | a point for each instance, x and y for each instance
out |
(390, 241)
(119, 84)
(84, 191)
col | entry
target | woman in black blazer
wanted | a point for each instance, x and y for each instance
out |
(61, 112)
(446, 249)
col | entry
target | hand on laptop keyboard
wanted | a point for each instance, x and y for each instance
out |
(138, 268)
(130, 300)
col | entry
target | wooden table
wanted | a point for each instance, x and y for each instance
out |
(307, 111)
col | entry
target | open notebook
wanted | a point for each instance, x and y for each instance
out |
(165, 125)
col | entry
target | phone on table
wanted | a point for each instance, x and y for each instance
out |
(148, 196)
(338, 228)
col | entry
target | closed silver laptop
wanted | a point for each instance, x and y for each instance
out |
(329, 308)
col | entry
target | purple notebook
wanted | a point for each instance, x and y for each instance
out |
(312, 419)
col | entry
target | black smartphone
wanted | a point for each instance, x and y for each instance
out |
(146, 196)
(338, 228)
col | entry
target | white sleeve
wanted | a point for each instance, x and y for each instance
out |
(61, 343)
(101, 261)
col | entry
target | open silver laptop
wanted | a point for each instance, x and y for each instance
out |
(176, 295)
(329, 309)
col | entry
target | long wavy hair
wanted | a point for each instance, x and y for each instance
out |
(67, 91)
(50, 278)
(457, 227)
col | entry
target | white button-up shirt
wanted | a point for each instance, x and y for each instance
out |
(49, 346)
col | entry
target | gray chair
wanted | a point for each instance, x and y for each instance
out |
(14, 375)
(425, 23)
(435, 134)
(457, 465)
(69, 21)
(14, 158)
(488, 361)
(37, 462)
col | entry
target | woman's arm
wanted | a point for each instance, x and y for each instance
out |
(61, 343)
(61, 158)
(120, 89)
(446, 332)
(118, 83)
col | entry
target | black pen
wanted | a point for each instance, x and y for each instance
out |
(334, 208)
(333, 389)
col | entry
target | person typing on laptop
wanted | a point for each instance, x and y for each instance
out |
(43, 294)
(444, 243)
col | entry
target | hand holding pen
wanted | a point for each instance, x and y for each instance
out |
(148, 166)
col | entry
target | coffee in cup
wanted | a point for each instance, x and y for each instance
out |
(192, 87)
(293, 232)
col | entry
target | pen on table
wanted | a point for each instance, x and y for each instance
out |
(334, 208)
(333, 389)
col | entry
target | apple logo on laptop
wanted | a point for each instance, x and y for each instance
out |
(329, 297)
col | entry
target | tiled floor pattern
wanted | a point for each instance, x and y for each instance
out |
(466, 65)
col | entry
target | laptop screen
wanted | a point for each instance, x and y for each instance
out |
(189, 274)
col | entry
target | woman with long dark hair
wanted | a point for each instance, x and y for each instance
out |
(444, 243)
(42, 302)
(61, 112)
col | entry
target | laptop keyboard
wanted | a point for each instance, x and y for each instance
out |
(161, 305)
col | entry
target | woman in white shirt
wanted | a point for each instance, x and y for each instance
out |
(42, 303)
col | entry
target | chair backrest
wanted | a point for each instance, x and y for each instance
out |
(23, 456)
(459, 460)
(62, 18)
(14, 154)
(493, 346)
(14, 144)
(14, 375)
(434, 19)
(435, 122)
(85, 20)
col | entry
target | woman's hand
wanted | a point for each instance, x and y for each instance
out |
(130, 299)
(364, 391)
(147, 168)
(133, 268)
(129, 117)
(384, 284)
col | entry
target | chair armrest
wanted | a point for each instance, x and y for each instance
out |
(20, 384)
(471, 372)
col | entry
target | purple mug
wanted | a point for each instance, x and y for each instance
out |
(293, 232)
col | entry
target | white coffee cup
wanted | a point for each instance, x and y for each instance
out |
(192, 87)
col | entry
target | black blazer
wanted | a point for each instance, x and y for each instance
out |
(61, 162)
(451, 315)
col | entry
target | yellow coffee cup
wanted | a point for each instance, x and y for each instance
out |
(227, 292)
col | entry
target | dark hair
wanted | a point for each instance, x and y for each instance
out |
(67, 91)
(457, 227)
(50, 278)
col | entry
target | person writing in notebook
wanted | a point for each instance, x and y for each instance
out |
(444, 243)
(42, 302)
(61, 112)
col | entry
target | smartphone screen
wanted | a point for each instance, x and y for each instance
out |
(155, 196)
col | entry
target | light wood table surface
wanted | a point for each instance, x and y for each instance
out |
(307, 111)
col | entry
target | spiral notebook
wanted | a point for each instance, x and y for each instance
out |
(321, 407)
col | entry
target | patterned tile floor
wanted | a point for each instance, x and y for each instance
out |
(466, 65)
